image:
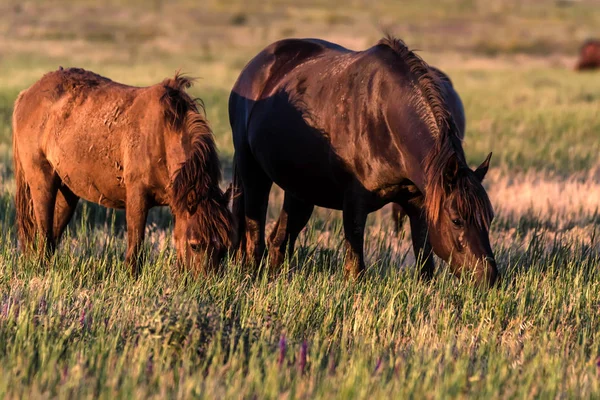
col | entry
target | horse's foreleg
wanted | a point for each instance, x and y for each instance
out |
(421, 244)
(136, 212)
(293, 218)
(256, 217)
(66, 203)
(355, 218)
(256, 189)
(398, 215)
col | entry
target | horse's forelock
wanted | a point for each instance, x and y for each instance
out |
(214, 221)
(471, 200)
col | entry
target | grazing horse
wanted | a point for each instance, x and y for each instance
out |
(353, 131)
(458, 113)
(79, 135)
(589, 55)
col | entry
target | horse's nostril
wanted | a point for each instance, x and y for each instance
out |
(490, 260)
(195, 246)
(492, 273)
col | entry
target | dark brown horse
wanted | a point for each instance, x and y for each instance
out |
(589, 55)
(354, 131)
(79, 135)
(458, 113)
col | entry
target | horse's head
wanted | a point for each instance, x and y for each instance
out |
(203, 230)
(203, 221)
(459, 232)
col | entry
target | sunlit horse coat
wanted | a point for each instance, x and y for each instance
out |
(354, 131)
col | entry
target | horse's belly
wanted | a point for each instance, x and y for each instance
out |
(303, 166)
(310, 187)
(94, 187)
(92, 176)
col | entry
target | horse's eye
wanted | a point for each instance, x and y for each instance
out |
(196, 247)
(457, 222)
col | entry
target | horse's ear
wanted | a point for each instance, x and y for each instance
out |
(229, 191)
(192, 201)
(228, 195)
(483, 168)
(451, 171)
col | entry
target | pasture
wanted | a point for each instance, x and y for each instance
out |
(82, 327)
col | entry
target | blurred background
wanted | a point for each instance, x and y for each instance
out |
(508, 58)
(511, 62)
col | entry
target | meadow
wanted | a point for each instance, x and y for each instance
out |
(81, 327)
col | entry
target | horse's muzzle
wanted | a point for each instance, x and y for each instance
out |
(490, 271)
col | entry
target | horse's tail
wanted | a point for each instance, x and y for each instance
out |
(238, 210)
(23, 201)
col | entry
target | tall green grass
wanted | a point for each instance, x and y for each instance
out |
(82, 327)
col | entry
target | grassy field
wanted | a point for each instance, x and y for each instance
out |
(82, 327)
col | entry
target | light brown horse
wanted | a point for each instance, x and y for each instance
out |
(79, 135)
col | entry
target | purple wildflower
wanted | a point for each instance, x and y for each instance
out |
(282, 350)
(332, 364)
(85, 319)
(377, 366)
(5, 309)
(150, 365)
(82, 317)
(64, 374)
(303, 356)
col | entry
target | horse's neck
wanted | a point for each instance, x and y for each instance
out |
(176, 155)
(415, 151)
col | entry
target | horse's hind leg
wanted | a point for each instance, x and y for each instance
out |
(66, 203)
(398, 215)
(44, 184)
(293, 218)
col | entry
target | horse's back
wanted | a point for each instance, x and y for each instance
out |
(275, 61)
(62, 82)
(57, 93)
(262, 75)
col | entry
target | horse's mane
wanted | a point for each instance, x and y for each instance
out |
(472, 200)
(201, 171)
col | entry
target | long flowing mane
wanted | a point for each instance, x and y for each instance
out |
(471, 199)
(201, 172)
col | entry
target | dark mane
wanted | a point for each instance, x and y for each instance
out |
(472, 199)
(201, 172)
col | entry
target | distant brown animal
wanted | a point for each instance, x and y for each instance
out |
(589, 55)
(458, 113)
(79, 135)
(353, 131)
